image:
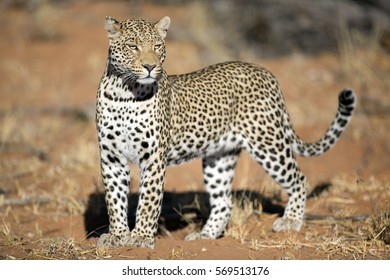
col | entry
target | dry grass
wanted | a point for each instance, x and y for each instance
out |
(176, 254)
(343, 234)
(55, 189)
(380, 228)
(363, 64)
(339, 245)
(366, 67)
(243, 209)
(49, 163)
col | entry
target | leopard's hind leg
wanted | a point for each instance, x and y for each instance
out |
(218, 172)
(274, 152)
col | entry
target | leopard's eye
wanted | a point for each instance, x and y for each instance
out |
(132, 46)
(157, 47)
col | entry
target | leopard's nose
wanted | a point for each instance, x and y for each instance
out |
(149, 67)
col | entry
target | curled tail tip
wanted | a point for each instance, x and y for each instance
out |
(347, 97)
(347, 105)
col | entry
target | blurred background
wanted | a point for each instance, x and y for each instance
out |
(53, 53)
(59, 47)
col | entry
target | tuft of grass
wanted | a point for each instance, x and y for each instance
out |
(176, 254)
(66, 249)
(243, 209)
(60, 248)
(289, 245)
(83, 156)
(5, 231)
(380, 227)
(8, 125)
(239, 233)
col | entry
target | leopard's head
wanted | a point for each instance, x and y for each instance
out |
(137, 49)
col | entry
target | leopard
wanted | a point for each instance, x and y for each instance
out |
(154, 120)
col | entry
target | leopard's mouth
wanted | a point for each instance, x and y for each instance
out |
(147, 80)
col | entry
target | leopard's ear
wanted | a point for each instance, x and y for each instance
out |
(113, 27)
(162, 26)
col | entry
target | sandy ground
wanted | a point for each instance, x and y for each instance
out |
(51, 63)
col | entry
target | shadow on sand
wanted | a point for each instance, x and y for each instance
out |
(180, 208)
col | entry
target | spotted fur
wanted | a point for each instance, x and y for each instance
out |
(155, 120)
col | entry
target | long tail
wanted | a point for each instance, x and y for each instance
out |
(347, 104)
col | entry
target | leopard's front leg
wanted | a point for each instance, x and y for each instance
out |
(116, 179)
(151, 190)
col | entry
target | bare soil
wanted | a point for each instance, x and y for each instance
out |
(51, 63)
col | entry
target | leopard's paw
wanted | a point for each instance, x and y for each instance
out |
(142, 241)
